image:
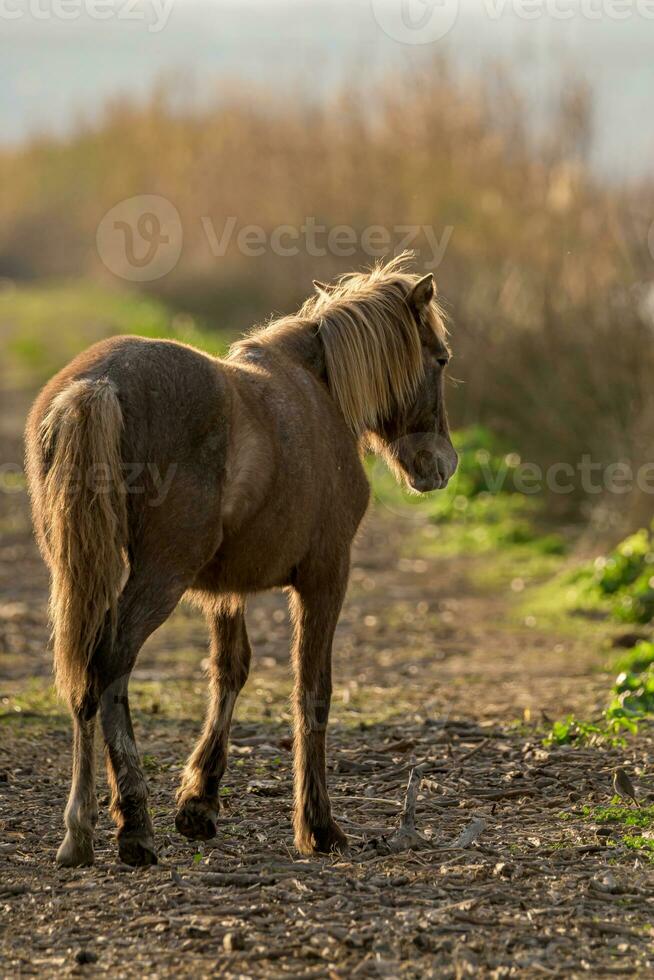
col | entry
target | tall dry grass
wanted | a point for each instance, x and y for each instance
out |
(546, 272)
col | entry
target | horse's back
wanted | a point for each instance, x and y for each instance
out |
(166, 390)
(174, 404)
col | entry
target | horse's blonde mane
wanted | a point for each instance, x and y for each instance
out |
(372, 345)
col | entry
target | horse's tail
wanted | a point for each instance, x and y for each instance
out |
(85, 524)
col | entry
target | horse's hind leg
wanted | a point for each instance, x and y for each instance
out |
(147, 601)
(229, 665)
(82, 808)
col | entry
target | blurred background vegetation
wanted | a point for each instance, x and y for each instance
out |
(524, 150)
(548, 276)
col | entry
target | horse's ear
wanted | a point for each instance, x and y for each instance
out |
(320, 287)
(422, 293)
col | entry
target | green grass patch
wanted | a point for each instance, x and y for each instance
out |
(43, 326)
(34, 705)
(627, 816)
(480, 514)
(571, 729)
(635, 825)
(637, 660)
(631, 702)
(619, 584)
(644, 845)
(633, 697)
(480, 511)
(264, 700)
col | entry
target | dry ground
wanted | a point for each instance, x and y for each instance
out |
(430, 669)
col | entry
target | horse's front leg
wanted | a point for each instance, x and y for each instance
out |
(197, 799)
(316, 606)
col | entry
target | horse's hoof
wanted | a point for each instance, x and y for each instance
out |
(321, 840)
(137, 849)
(76, 851)
(197, 819)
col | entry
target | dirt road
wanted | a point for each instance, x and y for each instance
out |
(430, 669)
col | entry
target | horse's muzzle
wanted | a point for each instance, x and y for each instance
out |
(428, 460)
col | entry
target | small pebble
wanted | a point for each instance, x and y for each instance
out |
(232, 941)
(85, 956)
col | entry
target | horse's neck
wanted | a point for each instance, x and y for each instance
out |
(301, 344)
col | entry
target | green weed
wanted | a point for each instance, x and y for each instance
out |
(638, 842)
(627, 816)
(632, 701)
(621, 582)
(633, 825)
(481, 510)
(572, 729)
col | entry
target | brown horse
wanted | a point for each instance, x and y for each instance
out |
(157, 471)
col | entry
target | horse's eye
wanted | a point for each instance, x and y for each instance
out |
(443, 361)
